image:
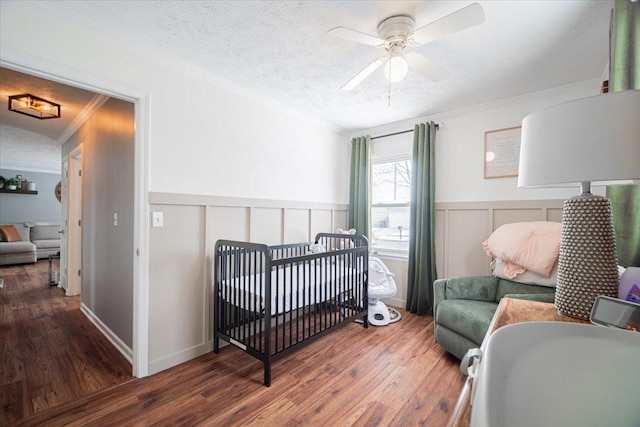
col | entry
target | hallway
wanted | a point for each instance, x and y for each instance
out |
(50, 353)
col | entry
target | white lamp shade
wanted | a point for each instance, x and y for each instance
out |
(594, 139)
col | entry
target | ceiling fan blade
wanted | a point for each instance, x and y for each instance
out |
(356, 36)
(358, 78)
(457, 21)
(425, 66)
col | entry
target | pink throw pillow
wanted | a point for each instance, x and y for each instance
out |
(525, 246)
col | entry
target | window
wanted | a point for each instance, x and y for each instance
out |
(391, 194)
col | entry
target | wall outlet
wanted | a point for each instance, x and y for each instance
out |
(157, 219)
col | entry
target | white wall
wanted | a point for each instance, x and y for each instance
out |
(204, 134)
(28, 151)
(244, 149)
(205, 137)
(460, 145)
(460, 179)
(237, 144)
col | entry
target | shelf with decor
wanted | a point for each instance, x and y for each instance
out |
(18, 191)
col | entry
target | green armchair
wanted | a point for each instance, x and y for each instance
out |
(464, 306)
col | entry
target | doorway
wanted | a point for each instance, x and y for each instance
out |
(138, 259)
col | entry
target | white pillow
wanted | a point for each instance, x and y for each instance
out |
(528, 277)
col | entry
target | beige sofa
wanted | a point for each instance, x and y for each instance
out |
(39, 240)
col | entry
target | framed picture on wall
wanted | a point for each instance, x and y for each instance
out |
(502, 152)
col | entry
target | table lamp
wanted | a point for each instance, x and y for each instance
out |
(577, 143)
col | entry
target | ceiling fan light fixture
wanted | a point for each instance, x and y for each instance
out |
(34, 106)
(396, 68)
(395, 33)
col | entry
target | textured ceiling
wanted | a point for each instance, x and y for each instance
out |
(280, 50)
(27, 143)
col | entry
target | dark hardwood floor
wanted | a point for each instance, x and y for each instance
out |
(393, 375)
(50, 354)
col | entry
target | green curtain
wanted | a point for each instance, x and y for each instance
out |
(359, 216)
(624, 74)
(624, 46)
(422, 255)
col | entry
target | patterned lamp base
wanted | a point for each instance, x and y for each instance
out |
(587, 266)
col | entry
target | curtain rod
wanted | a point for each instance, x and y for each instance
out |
(401, 132)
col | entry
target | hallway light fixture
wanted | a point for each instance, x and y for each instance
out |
(34, 106)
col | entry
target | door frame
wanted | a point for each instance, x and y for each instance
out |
(73, 77)
(73, 222)
(64, 200)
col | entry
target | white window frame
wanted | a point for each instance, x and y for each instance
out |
(389, 252)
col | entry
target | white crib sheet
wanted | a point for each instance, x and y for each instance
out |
(304, 287)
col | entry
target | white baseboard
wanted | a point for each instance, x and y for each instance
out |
(395, 302)
(126, 351)
(174, 359)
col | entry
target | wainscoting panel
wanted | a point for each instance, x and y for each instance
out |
(440, 238)
(506, 216)
(545, 211)
(266, 226)
(182, 260)
(399, 267)
(339, 220)
(466, 230)
(461, 227)
(181, 253)
(229, 223)
(321, 222)
(554, 214)
(177, 295)
(296, 225)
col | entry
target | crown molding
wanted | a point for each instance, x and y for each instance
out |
(84, 115)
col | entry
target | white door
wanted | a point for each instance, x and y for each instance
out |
(74, 223)
(63, 228)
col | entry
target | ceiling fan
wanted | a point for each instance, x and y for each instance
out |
(396, 33)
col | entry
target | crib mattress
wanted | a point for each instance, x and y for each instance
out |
(292, 287)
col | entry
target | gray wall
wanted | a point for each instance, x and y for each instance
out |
(107, 250)
(16, 208)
